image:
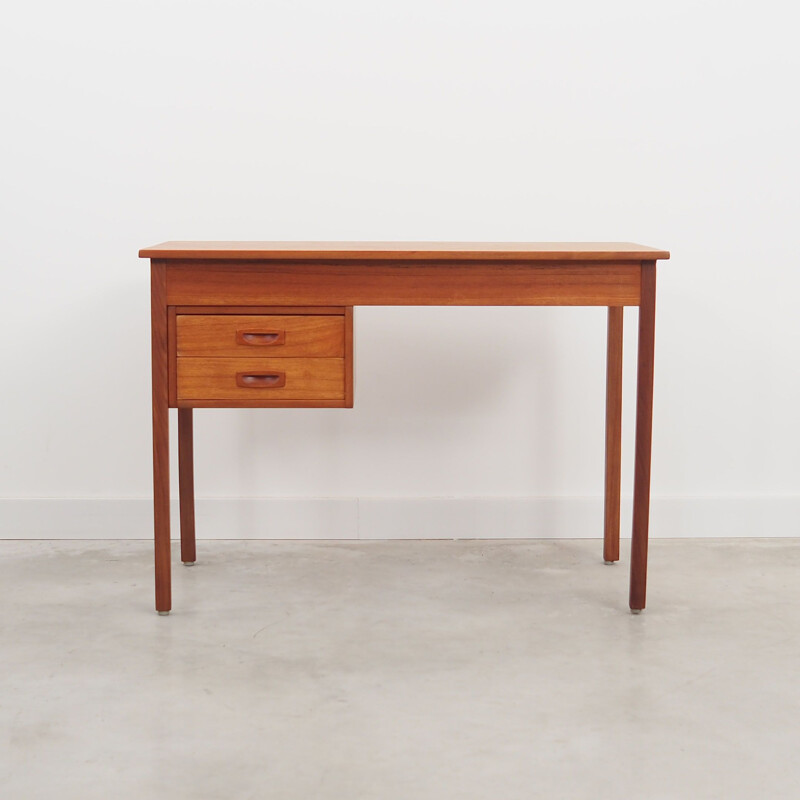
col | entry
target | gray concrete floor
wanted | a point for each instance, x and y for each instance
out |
(400, 670)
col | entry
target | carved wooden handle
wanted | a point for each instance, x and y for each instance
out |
(260, 380)
(260, 338)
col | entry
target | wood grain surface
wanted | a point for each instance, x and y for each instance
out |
(160, 388)
(306, 379)
(251, 309)
(186, 484)
(420, 251)
(226, 335)
(461, 284)
(644, 435)
(613, 434)
(349, 365)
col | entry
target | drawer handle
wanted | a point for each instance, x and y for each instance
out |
(260, 380)
(261, 338)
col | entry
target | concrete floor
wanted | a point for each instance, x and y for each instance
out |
(400, 671)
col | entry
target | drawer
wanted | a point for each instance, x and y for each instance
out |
(262, 381)
(260, 335)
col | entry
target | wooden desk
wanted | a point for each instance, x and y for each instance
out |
(270, 325)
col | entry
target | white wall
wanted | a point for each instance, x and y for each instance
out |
(674, 125)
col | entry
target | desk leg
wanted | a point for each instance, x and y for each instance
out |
(158, 322)
(613, 434)
(186, 485)
(644, 431)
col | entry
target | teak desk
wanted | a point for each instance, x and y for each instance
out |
(270, 325)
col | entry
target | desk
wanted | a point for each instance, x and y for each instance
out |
(270, 325)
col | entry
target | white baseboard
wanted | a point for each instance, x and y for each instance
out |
(400, 517)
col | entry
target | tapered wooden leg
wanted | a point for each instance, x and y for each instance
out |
(158, 310)
(186, 484)
(613, 434)
(644, 431)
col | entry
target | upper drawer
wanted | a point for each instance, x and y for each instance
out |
(260, 335)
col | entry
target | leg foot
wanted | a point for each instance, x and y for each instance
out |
(163, 613)
(189, 563)
(609, 562)
(636, 610)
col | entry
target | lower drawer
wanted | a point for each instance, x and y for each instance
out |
(262, 381)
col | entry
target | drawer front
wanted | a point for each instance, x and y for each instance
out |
(262, 335)
(262, 380)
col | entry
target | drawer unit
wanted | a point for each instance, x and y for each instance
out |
(242, 360)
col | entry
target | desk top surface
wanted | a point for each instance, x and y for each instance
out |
(408, 251)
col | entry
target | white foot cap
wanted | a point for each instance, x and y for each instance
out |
(609, 562)
(636, 610)
(163, 613)
(189, 563)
